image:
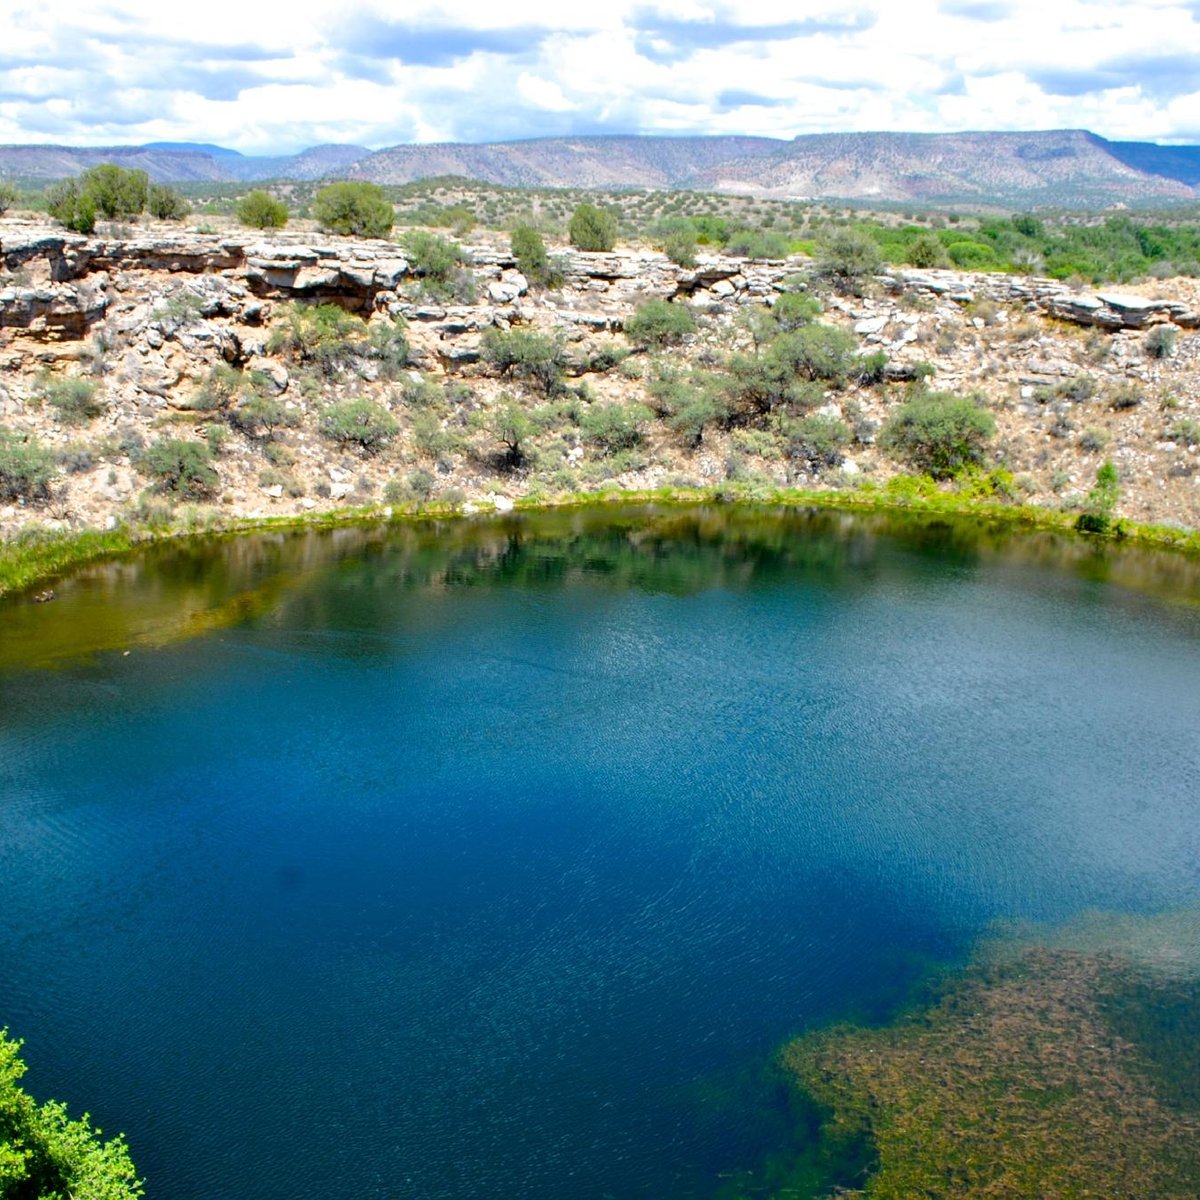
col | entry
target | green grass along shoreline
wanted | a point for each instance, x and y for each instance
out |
(36, 558)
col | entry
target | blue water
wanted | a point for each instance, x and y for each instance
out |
(495, 861)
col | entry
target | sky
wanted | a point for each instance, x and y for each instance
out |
(276, 77)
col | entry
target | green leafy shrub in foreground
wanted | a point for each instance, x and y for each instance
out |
(44, 1155)
(939, 433)
(326, 337)
(26, 467)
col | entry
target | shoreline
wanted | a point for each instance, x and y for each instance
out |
(34, 558)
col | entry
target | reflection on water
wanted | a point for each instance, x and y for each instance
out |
(501, 856)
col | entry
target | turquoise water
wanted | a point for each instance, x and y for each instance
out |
(495, 859)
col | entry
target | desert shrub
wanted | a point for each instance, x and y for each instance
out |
(356, 208)
(387, 345)
(1126, 396)
(361, 423)
(848, 258)
(260, 210)
(67, 204)
(435, 260)
(793, 310)
(659, 323)
(529, 249)
(417, 487)
(166, 203)
(182, 468)
(74, 400)
(871, 369)
(520, 352)
(509, 425)
(26, 467)
(1101, 502)
(1160, 341)
(259, 415)
(757, 243)
(592, 228)
(1186, 431)
(817, 441)
(115, 191)
(616, 427)
(8, 196)
(1092, 440)
(938, 432)
(926, 250)
(326, 337)
(431, 440)
(816, 351)
(679, 246)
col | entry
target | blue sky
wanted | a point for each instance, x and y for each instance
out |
(274, 78)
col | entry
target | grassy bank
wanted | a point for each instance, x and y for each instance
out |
(35, 558)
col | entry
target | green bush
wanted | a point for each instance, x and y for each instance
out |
(616, 427)
(166, 203)
(354, 208)
(67, 204)
(659, 323)
(814, 352)
(818, 441)
(1160, 341)
(510, 425)
(74, 400)
(259, 415)
(116, 191)
(529, 249)
(1186, 431)
(388, 346)
(592, 228)
(938, 433)
(260, 210)
(46, 1154)
(521, 352)
(757, 243)
(182, 468)
(8, 196)
(325, 336)
(438, 262)
(417, 487)
(26, 467)
(849, 258)
(361, 423)
(793, 310)
(1101, 501)
(926, 250)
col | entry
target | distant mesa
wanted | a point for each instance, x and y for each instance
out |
(1070, 168)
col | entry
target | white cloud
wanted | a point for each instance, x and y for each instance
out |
(133, 70)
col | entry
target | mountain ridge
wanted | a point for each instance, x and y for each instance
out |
(1071, 168)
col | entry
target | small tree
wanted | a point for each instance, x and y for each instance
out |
(360, 209)
(260, 210)
(939, 433)
(616, 427)
(926, 250)
(8, 196)
(818, 441)
(816, 351)
(166, 203)
(510, 425)
(592, 228)
(436, 260)
(326, 337)
(26, 467)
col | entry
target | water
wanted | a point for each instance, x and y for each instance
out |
(495, 859)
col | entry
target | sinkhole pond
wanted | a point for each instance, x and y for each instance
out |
(613, 854)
